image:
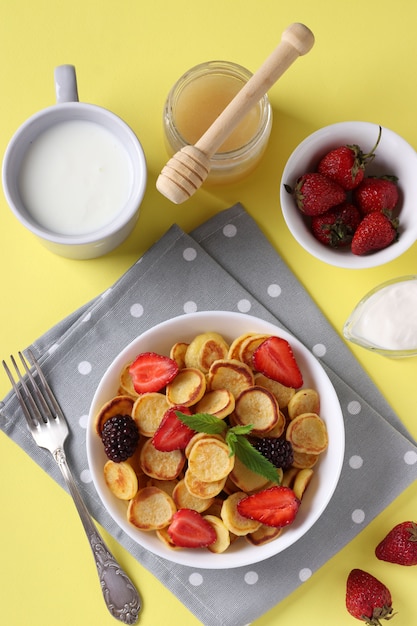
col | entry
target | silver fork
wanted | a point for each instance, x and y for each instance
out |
(49, 429)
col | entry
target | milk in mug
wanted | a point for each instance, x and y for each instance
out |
(75, 177)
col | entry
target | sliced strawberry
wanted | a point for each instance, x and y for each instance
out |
(172, 434)
(275, 359)
(189, 529)
(276, 506)
(151, 372)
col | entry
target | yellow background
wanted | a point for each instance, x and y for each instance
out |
(128, 53)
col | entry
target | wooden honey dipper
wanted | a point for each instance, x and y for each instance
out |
(187, 170)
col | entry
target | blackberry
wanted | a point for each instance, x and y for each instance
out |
(278, 451)
(120, 436)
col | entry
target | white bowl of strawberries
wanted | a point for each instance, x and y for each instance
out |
(348, 195)
(196, 502)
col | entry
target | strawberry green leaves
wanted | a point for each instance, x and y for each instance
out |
(235, 439)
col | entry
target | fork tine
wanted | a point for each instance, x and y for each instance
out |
(31, 421)
(51, 397)
(41, 397)
(34, 398)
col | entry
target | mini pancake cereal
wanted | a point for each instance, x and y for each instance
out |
(202, 489)
(223, 538)
(282, 393)
(233, 520)
(184, 499)
(197, 431)
(245, 479)
(248, 347)
(148, 411)
(307, 433)
(196, 438)
(161, 465)
(257, 406)
(264, 534)
(187, 388)
(301, 482)
(121, 479)
(151, 509)
(120, 405)
(230, 374)
(210, 460)
(126, 384)
(303, 401)
(177, 353)
(219, 402)
(204, 350)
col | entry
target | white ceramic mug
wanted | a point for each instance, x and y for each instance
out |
(111, 230)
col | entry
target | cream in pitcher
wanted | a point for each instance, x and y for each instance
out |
(385, 319)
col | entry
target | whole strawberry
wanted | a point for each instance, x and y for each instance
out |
(400, 545)
(346, 164)
(377, 194)
(367, 598)
(315, 193)
(335, 227)
(375, 232)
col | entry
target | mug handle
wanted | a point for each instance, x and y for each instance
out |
(65, 84)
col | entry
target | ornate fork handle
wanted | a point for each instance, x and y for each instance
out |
(120, 595)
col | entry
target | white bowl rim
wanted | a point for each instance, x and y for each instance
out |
(339, 133)
(314, 373)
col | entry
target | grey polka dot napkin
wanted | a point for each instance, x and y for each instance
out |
(225, 264)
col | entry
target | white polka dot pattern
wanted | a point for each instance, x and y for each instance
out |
(136, 310)
(86, 476)
(195, 579)
(190, 254)
(230, 230)
(251, 578)
(190, 307)
(354, 407)
(358, 516)
(319, 350)
(244, 305)
(84, 368)
(274, 290)
(355, 461)
(83, 421)
(304, 574)
(410, 457)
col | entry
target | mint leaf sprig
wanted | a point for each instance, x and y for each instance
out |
(235, 439)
